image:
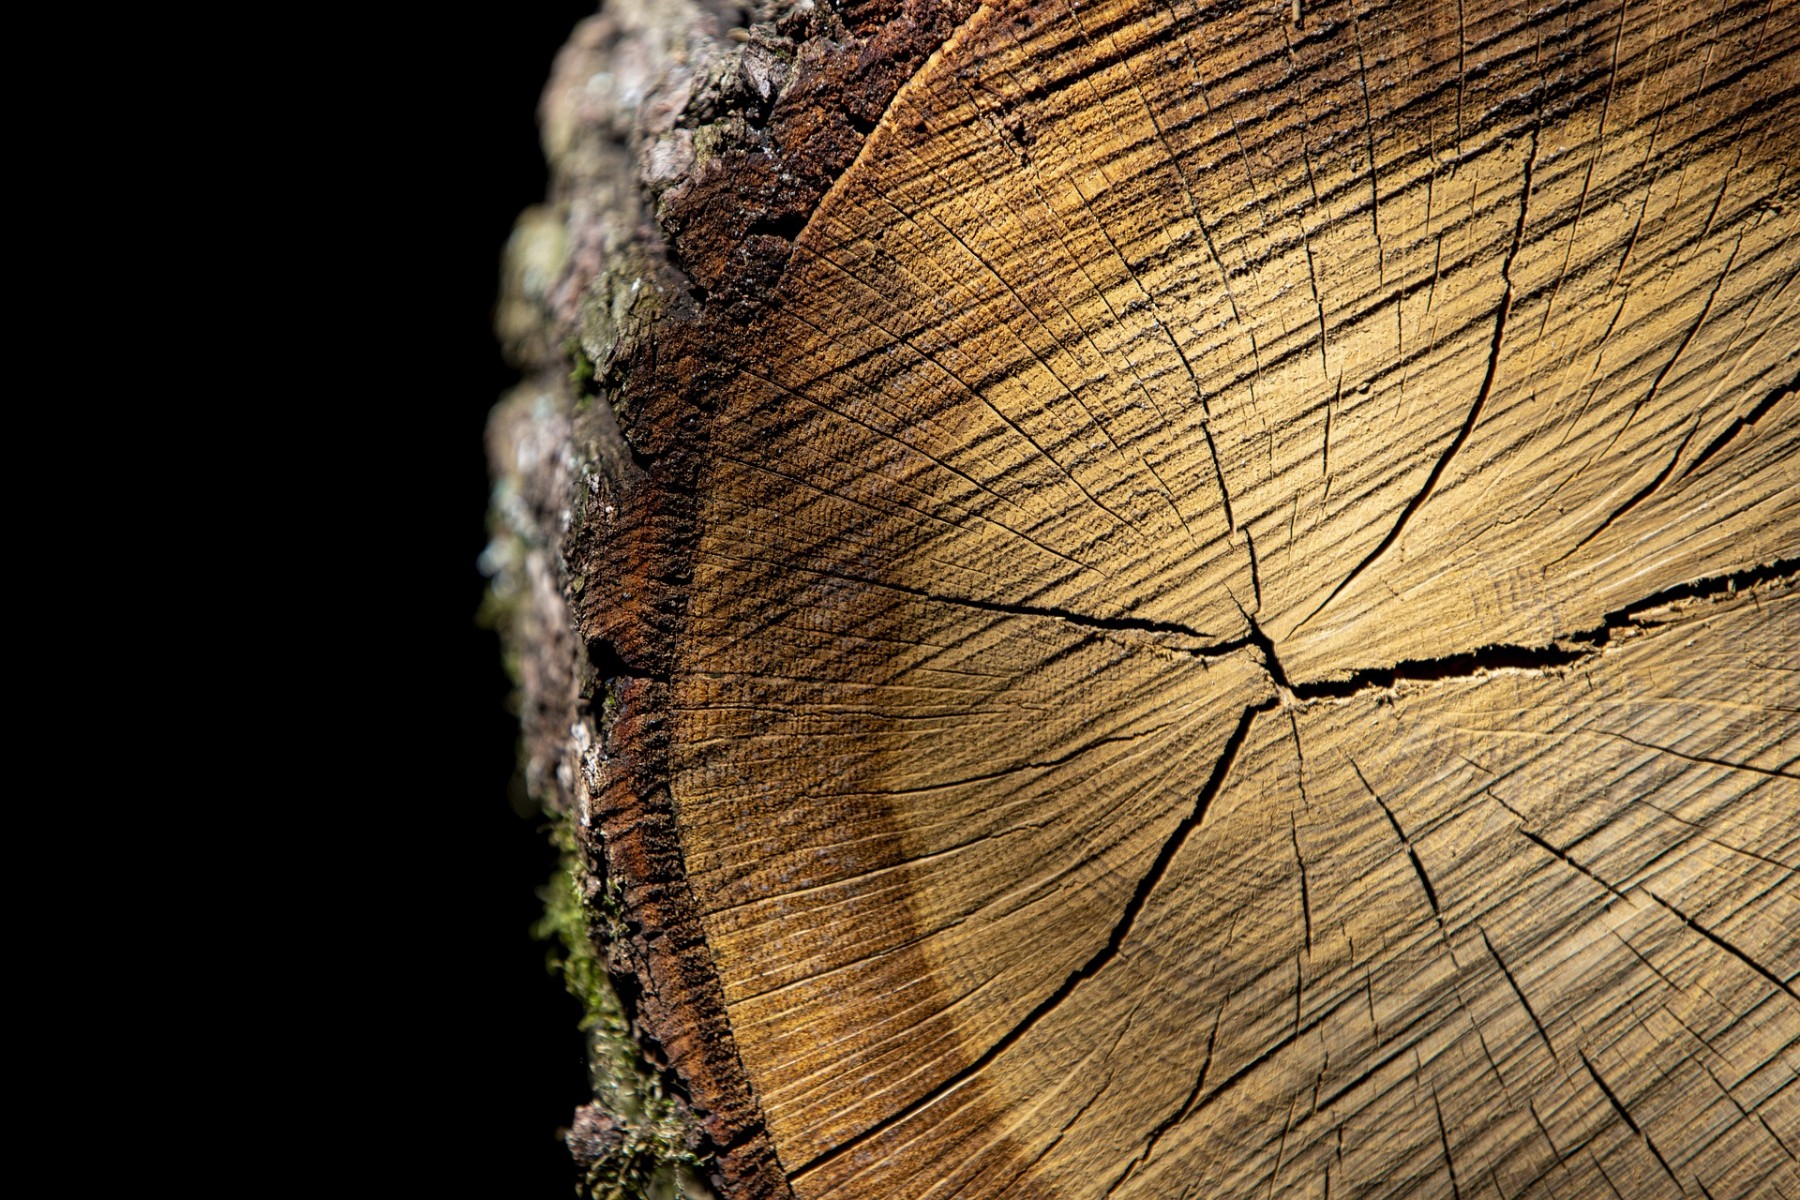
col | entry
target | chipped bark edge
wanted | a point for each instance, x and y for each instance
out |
(581, 280)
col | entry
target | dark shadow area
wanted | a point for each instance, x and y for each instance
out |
(507, 1038)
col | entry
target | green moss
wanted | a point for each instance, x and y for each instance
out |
(646, 1157)
(573, 956)
(581, 368)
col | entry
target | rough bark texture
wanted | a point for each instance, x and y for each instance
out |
(1146, 599)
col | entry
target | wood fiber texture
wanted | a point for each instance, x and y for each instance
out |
(1229, 623)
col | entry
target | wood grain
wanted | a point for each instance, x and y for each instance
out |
(1237, 616)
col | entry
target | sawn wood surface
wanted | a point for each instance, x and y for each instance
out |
(1226, 625)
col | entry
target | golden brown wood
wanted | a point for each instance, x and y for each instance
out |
(1226, 623)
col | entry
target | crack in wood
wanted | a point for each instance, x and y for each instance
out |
(1305, 899)
(1092, 967)
(1641, 495)
(1724, 945)
(916, 407)
(1613, 1099)
(1519, 992)
(1437, 1110)
(1742, 423)
(1411, 853)
(1700, 759)
(1554, 851)
(1180, 1112)
(1438, 468)
(1567, 650)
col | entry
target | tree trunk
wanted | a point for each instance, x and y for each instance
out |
(1177, 600)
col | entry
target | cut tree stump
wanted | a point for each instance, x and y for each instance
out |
(1182, 601)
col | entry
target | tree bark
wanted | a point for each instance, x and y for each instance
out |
(1141, 599)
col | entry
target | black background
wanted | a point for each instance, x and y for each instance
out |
(509, 1050)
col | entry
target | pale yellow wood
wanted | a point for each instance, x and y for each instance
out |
(1495, 886)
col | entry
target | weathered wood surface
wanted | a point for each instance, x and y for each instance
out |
(1205, 604)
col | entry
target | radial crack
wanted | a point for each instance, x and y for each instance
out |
(1411, 853)
(1519, 992)
(1088, 621)
(1625, 1116)
(1474, 415)
(1180, 1111)
(1092, 967)
(1724, 945)
(1566, 650)
(1742, 423)
(1444, 1141)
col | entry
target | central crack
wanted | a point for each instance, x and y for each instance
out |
(1564, 651)
(1568, 649)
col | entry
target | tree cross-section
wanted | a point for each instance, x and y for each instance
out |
(1204, 600)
